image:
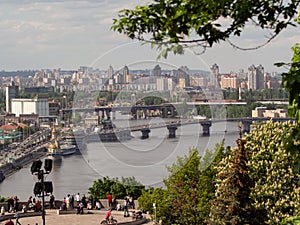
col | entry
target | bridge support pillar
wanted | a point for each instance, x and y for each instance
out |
(172, 110)
(145, 133)
(206, 125)
(133, 114)
(145, 113)
(172, 131)
(246, 126)
(113, 115)
(107, 114)
(102, 116)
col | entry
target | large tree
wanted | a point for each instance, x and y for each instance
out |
(202, 22)
(232, 205)
(273, 167)
(189, 189)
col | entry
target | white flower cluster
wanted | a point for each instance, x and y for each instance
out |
(271, 165)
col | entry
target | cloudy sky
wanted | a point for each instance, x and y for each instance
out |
(69, 34)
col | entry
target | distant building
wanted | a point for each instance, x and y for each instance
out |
(199, 82)
(156, 71)
(256, 79)
(36, 105)
(126, 76)
(11, 92)
(259, 111)
(164, 84)
(229, 81)
(110, 72)
(214, 76)
(32, 118)
(182, 83)
(41, 89)
(265, 113)
(54, 108)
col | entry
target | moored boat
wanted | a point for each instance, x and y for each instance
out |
(67, 149)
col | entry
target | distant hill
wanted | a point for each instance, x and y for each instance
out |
(17, 73)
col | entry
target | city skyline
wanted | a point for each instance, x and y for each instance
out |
(70, 34)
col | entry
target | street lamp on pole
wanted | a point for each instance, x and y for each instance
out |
(65, 102)
(42, 188)
(154, 207)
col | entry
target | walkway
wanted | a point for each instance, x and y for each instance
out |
(52, 218)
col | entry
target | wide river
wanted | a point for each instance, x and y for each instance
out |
(146, 160)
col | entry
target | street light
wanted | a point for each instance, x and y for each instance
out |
(65, 102)
(154, 207)
(42, 188)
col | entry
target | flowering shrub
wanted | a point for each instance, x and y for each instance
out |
(274, 150)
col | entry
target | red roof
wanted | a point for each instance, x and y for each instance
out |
(11, 127)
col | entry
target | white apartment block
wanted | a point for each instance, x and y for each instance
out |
(36, 105)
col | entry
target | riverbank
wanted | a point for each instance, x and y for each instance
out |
(11, 167)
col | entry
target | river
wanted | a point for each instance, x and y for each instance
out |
(146, 160)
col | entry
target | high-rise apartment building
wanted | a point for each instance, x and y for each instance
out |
(256, 77)
(110, 72)
(229, 81)
(156, 71)
(11, 91)
(214, 76)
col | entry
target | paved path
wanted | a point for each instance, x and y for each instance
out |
(52, 218)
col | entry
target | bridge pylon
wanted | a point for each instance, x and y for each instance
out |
(145, 133)
(206, 126)
(172, 131)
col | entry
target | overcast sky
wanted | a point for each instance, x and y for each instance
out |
(69, 34)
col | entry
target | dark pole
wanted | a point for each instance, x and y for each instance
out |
(43, 197)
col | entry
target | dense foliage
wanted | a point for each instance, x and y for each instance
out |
(274, 168)
(119, 188)
(202, 22)
(291, 81)
(233, 186)
(294, 220)
(189, 189)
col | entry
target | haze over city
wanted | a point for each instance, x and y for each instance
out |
(69, 34)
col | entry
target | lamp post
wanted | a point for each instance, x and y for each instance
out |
(65, 102)
(42, 188)
(154, 207)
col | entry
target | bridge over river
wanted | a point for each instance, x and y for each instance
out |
(205, 123)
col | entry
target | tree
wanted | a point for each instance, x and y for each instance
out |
(189, 189)
(177, 24)
(232, 205)
(273, 166)
(127, 186)
(291, 81)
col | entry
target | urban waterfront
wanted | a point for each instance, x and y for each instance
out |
(146, 160)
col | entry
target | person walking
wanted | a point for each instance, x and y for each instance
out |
(17, 218)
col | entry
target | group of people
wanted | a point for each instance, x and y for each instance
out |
(13, 204)
(33, 204)
(80, 202)
(128, 203)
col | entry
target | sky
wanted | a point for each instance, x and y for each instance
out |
(68, 34)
